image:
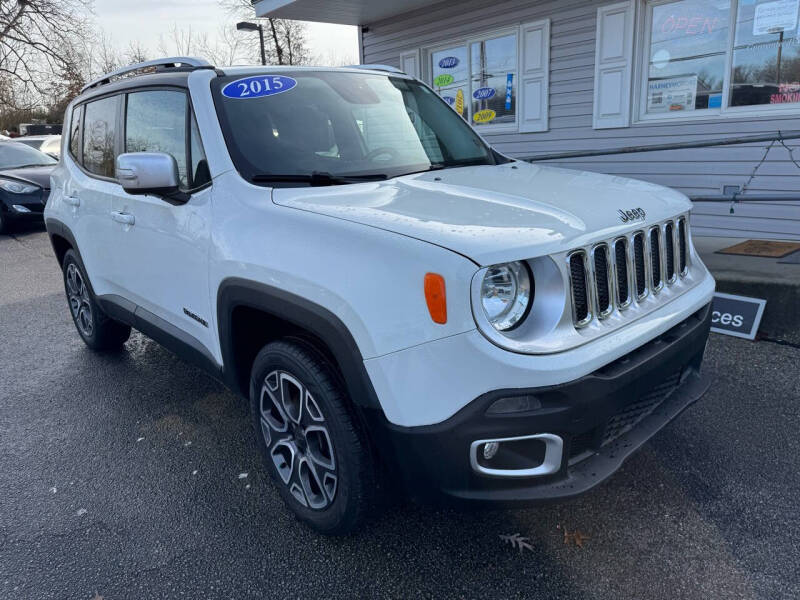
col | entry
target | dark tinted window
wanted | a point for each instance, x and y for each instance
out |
(156, 122)
(75, 132)
(343, 124)
(99, 136)
(200, 174)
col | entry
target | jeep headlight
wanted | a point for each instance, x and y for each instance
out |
(506, 294)
(17, 187)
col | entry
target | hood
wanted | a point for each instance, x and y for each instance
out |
(37, 175)
(493, 214)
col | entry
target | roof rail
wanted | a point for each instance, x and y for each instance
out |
(173, 61)
(377, 68)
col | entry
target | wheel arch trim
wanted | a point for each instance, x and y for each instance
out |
(236, 292)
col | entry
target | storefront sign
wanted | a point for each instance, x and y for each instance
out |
(448, 62)
(509, 88)
(483, 93)
(484, 116)
(460, 102)
(775, 17)
(449, 99)
(676, 93)
(787, 92)
(443, 80)
(736, 315)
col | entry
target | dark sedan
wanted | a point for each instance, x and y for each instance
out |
(24, 183)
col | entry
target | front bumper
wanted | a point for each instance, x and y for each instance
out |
(25, 207)
(602, 418)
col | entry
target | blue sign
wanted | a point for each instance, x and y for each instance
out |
(509, 87)
(483, 93)
(448, 62)
(449, 99)
(258, 86)
(715, 101)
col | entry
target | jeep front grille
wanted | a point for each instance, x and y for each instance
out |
(614, 274)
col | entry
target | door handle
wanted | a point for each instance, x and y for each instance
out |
(72, 201)
(124, 218)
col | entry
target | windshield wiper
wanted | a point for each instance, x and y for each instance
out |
(317, 178)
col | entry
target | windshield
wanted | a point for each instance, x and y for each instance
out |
(307, 128)
(14, 155)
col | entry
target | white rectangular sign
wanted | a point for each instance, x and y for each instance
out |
(736, 315)
(774, 17)
(675, 93)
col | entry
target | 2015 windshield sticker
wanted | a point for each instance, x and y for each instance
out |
(258, 86)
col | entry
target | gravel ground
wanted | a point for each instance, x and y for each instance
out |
(136, 476)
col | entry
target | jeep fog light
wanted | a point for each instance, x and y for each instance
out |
(506, 294)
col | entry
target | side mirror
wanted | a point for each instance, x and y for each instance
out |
(153, 173)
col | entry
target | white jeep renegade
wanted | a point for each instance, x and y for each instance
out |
(399, 301)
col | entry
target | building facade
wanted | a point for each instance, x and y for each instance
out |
(546, 77)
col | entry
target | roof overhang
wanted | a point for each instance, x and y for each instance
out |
(344, 12)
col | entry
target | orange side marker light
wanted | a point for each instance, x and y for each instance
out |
(436, 297)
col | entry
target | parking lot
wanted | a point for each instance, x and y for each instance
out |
(136, 476)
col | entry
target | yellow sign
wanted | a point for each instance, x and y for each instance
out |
(443, 80)
(460, 102)
(484, 116)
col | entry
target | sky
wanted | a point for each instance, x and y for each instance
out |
(146, 20)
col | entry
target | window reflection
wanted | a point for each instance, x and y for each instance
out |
(450, 78)
(494, 67)
(156, 122)
(766, 54)
(688, 46)
(99, 137)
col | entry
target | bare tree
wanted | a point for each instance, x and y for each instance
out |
(285, 40)
(35, 38)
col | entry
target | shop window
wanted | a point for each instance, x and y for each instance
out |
(450, 70)
(766, 54)
(687, 54)
(690, 44)
(479, 79)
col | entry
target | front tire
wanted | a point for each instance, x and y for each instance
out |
(96, 328)
(314, 449)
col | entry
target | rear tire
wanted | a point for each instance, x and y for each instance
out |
(314, 448)
(96, 328)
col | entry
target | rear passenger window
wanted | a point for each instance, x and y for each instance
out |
(99, 136)
(75, 132)
(156, 122)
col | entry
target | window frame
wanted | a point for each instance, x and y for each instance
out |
(643, 24)
(467, 41)
(188, 128)
(77, 157)
(121, 125)
(79, 163)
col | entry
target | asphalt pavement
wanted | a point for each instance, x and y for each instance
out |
(134, 475)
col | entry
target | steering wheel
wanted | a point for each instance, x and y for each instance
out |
(381, 151)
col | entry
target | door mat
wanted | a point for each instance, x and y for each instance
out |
(765, 248)
(792, 259)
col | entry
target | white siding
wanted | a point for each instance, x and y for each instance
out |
(572, 72)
